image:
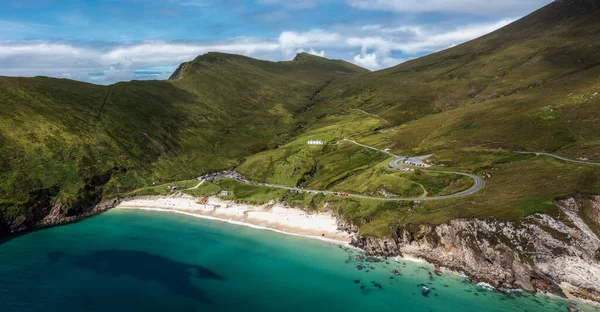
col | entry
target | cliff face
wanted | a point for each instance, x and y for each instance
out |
(52, 216)
(558, 254)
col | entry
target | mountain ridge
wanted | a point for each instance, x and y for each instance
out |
(302, 61)
(530, 86)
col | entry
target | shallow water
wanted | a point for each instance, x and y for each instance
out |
(126, 260)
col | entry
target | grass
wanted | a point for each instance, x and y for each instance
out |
(343, 166)
(256, 195)
(206, 189)
(531, 86)
(538, 204)
(164, 189)
(71, 143)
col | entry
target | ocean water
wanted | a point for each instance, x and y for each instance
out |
(127, 260)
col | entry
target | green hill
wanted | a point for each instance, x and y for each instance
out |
(530, 86)
(67, 144)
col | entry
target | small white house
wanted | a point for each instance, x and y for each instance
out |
(225, 193)
(315, 142)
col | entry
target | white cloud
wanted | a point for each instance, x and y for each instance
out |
(313, 52)
(411, 41)
(291, 41)
(162, 52)
(366, 60)
(117, 63)
(462, 6)
(370, 46)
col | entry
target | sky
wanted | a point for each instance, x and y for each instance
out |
(106, 41)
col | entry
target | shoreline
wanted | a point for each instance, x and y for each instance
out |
(240, 223)
(280, 219)
(271, 217)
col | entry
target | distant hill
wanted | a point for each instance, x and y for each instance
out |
(532, 85)
(66, 144)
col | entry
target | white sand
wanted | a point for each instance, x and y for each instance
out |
(274, 217)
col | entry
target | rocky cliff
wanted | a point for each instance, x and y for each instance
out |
(559, 254)
(52, 216)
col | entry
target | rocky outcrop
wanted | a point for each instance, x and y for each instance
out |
(59, 216)
(54, 215)
(556, 254)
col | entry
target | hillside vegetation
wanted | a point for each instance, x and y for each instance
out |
(533, 85)
(68, 144)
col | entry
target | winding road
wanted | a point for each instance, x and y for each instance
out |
(561, 158)
(395, 164)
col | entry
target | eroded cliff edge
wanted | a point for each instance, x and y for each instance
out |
(559, 254)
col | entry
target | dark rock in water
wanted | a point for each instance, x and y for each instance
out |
(425, 291)
(377, 286)
(356, 281)
(437, 271)
(391, 277)
(431, 277)
(133, 238)
(395, 272)
(573, 308)
(362, 287)
(359, 267)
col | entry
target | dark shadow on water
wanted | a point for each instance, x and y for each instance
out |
(148, 268)
(54, 256)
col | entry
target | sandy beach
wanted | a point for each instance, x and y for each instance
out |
(274, 217)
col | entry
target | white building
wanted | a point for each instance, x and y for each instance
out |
(315, 142)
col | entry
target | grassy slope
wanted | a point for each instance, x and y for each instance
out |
(342, 166)
(532, 85)
(71, 143)
(529, 86)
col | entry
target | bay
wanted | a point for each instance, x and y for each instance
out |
(126, 260)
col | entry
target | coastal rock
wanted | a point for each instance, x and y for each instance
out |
(425, 290)
(538, 253)
(572, 308)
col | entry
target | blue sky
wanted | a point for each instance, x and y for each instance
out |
(105, 41)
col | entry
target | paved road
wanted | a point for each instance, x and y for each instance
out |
(418, 162)
(561, 158)
(397, 163)
(394, 164)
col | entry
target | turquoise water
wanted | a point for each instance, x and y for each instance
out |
(152, 261)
